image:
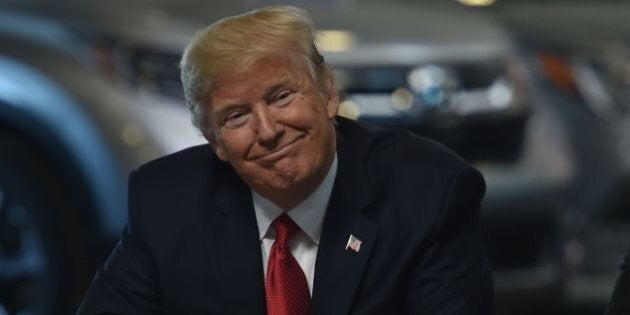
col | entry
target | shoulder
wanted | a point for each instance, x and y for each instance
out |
(411, 174)
(183, 160)
(170, 180)
(401, 152)
(176, 169)
(419, 188)
(164, 194)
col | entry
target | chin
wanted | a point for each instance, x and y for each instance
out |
(288, 179)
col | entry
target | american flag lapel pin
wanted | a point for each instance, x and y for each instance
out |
(353, 243)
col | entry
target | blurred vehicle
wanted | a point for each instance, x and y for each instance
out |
(436, 69)
(68, 138)
(579, 56)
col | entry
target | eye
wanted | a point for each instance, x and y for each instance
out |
(236, 119)
(283, 98)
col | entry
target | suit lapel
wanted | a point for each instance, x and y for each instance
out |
(234, 240)
(235, 246)
(338, 270)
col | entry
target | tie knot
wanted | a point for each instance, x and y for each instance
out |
(285, 228)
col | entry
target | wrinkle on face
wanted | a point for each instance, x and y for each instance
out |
(282, 150)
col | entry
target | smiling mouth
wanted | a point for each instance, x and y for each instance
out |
(278, 153)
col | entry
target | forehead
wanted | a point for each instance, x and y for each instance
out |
(242, 79)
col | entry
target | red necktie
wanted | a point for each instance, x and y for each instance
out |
(285, 287)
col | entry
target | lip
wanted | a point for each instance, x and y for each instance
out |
(279, 153)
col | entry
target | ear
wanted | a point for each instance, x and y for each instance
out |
(332, 101)
(216, 145)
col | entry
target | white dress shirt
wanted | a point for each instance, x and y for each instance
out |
(308, 215)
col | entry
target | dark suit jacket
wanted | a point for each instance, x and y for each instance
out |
(192, 245)
(620, 302)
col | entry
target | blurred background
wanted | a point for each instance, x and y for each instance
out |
(536, 94)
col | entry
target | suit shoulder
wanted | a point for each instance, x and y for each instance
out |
(176, 165)
(410, 152)
(397, 150)
(420, 182)
(173, 177)
(163, 191)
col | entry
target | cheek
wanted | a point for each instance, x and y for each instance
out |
(306, 115)
(234, 145)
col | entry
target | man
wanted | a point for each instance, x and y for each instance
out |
(290, 210)
(620, 301)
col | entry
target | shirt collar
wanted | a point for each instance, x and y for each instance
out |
(308, 215)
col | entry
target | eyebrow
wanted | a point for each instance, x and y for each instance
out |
(283, 82)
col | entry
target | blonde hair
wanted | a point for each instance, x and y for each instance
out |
(245, 38)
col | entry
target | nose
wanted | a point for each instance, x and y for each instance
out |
(268, 130)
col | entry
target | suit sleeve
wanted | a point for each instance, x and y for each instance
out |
(127, 282)
(454, 275)
(620, 301)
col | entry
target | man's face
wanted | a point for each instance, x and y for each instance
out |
(274, 126)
